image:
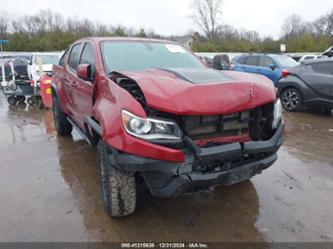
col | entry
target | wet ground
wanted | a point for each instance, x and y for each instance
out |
(49, 191)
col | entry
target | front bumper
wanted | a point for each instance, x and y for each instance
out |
(233, 163)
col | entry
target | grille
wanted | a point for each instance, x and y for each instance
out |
(206, 127)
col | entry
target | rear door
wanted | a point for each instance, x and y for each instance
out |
(239, 64)
(251, 64)
(70, 80)
(59, 75)
(320, 78)
(83, 97)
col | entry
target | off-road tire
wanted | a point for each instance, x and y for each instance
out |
(62, 125)
(118, 187)
(291, 99)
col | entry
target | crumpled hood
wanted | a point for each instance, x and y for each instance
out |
(202, 91)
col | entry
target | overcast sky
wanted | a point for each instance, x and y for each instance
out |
(171, 16)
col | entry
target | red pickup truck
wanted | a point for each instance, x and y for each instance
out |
(156, 112)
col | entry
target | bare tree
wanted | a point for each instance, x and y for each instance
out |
(324, 25)
(228, 32)
(293, 26)
(80, 27)
(4, 24)
(206, 15)
(251, 36)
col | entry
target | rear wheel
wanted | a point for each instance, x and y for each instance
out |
(30, 101)
(12, 100)
(62, 125)
(39, 102)
(118, 187)
(291, 99)
(21, 99)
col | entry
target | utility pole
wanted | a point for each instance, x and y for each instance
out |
(1, 44)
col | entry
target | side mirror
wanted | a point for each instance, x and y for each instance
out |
(83, 71)
(272, 66)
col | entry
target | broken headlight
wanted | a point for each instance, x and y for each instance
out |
(149, 128)
(277, 114)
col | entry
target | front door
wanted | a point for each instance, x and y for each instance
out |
(320, 79)
(83, 89)
(69, 79)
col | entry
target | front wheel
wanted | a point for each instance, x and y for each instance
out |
(291, 100)
(118, 186)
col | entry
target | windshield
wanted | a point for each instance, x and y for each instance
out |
(136, 56)
(286, 61)
(48, 58)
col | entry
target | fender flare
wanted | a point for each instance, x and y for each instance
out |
(54, 89)
(55, 93)
(293, 82)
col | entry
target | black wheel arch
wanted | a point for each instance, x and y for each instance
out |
(55, 94)
(54, 90)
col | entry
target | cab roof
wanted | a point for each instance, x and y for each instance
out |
(111, 38)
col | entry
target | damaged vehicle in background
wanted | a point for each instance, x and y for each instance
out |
(156, 112)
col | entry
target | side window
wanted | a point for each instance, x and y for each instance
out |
(265, 61)
(88, 56)
(63, 57)
(74, 56)
(252, 60)
(323, 67)
(241, 60)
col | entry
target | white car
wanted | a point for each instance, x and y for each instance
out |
(46, 59)
(311, 57)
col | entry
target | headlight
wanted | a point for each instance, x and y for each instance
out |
(277, 114)
(148, 128)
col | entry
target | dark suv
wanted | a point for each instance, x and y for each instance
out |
(310, 84)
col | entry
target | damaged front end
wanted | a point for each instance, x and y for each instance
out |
(219, 149)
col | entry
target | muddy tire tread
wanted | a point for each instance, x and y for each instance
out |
(118, 187)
